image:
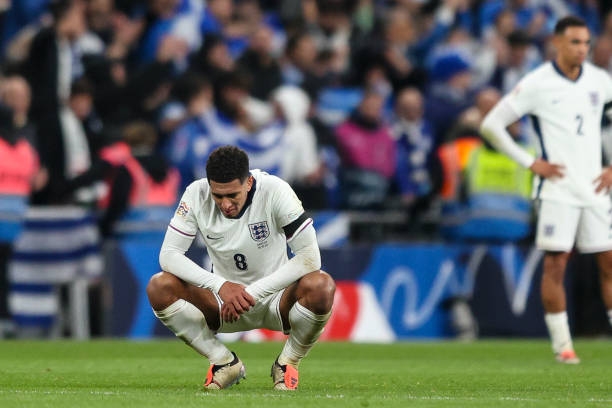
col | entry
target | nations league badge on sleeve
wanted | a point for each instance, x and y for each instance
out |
(182, 210)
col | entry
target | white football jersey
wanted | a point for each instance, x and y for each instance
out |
(245, 249)
(567, 119)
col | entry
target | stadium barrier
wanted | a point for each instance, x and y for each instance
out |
(385, 292)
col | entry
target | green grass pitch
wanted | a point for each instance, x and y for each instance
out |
(166, 373)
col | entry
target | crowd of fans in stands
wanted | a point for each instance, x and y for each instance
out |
(348, 100)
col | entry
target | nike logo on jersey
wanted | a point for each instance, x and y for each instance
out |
(213, 238)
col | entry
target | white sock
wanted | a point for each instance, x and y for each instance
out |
(558, 328)
(306, 327)
(189, 324)
(610, 316)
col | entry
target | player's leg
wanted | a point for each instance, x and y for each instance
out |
(305, 308)
(604, 260)
(552, 286)
(554, 302)
(594, 237)
(192, 314)
(556, 231)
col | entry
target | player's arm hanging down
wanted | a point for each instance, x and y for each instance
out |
(494, 130)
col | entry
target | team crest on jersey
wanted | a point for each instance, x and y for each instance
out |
(549, 230)
(594, 97)
(259, 231)
(182, 209)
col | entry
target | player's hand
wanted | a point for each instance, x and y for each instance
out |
(604, 181)
(236, 301)
(547, 170)
(229, 313)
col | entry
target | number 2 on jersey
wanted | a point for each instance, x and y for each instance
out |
(579, 119)
(240, 261)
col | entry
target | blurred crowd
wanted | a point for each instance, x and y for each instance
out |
(358, 104)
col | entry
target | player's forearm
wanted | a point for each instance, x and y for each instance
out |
(184, 268)
(172, 259)
(307, 259)
(493, 129)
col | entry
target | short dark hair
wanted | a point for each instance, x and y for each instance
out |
(82, 86)
(59, 8)
(237, 78)
(569, 21)
(294, 40)
(189, 85)
(227, 163)
(518, 38)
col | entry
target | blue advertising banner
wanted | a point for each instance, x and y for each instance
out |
(412, 283)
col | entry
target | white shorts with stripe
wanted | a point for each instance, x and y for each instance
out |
(264, 315)
(561, 226)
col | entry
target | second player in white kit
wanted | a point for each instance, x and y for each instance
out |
(565, 99)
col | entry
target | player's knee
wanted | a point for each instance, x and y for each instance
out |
(555, 265)
(604, 260)
(319, 290)
(162, 289)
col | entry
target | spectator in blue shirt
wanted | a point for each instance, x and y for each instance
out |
(415, 144)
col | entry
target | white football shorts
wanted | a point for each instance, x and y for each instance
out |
(561, 225)
(264, 315)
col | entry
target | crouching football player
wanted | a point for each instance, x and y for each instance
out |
(247, 218)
